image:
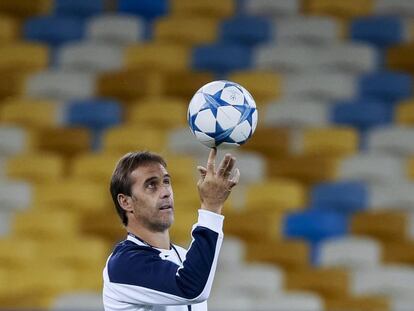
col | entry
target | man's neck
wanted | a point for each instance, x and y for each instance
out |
(155, 239)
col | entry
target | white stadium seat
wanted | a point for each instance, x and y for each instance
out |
(60, 85)
(396, 195)
(394, 7)
(89, 57)
(273, 8)
(13, 140)
(15, 195)
(115, 29)
(232, 253)
(82, 301)
(182, 141)
(392, 139)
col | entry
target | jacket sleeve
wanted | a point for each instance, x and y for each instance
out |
(144, 278)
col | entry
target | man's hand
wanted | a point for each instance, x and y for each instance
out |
(214, 186)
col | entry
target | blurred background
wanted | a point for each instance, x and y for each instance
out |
(323, 217)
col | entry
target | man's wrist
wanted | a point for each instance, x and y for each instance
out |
(215, 208)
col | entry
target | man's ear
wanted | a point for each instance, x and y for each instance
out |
(125, 202)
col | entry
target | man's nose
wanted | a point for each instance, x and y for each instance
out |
(166, 192)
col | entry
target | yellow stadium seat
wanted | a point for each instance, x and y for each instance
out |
(410, 168)
(72, 195)
(339, 8)
(213, 8)
(276, 194)
(384, 225)
(12, 82)
(181, 228)
(405, 113)
(328, 282)
(270, 142)
(46, 224)
(16, 252)
(8, 29)
(96, 167)
(400, 57)
(183, 169)
(398, 251)
(184, 84)
(14, 56)
(35, 167)
(290, 255)
(330, 141)
(29, 112)
(167, 113)
(65, 141)
(133, 138)
(26, 8)
(186, 31)
(129, 84)
(359, 303)
(304, 168)
(263, 86)
(157, 56)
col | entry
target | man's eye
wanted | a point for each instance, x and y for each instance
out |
(152, 185)
(167, 181)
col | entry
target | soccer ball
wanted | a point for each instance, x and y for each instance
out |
(222, 114)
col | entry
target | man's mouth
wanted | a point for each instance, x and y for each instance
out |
(166, 207)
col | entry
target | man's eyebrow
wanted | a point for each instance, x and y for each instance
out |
(154, 178)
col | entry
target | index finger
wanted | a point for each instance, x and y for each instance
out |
(211, 162)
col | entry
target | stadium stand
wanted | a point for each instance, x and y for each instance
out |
(323, 217)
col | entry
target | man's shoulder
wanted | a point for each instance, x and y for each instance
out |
(127, 249)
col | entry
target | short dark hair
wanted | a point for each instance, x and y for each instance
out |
(121, 177)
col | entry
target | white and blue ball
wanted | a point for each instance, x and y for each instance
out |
(222, 113)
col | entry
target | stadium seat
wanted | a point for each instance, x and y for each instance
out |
(302, 29)
(157, 56)
(362, 114)
(15, 140)
(275, 194)
(295, 113)
(398, 252)
(232, 253)
(36, 167)
(64, 141)
(359, 303)
(80, 301)
(167, 113)
(53, 30)
(78, 8)
(12, 83)
(339, 9)
(186, 31)
(371, 167)
(72, 195)
(185, 83)
(134, 138)
(381, 31)
(13, 56)
(385, 85)
(9, 29)
(398, 58)
(148, 9)
(214, 8)
(286, 59)
(320, 87)
(117, 29)
(410, 168)
(220, 57)
(60, 85)
(95, 167)
(31, 113)
(291, 254)
(27, 8)
(327, 282)
(341, 196)
(276, 8)
(386, 225)
(397, 195)
(89, 57)
(349, 252)
(95, 114)
(315, 226)
(392, 139)
(394, 7)
(404, 113)
(263, 85)
(246, 30)
(15, 195)
(330, 141)
(182, 141)
(13, 256)
(304, 168)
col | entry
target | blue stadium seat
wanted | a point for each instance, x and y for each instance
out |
(386, 85)
(361, 113)
(315, 226)
(53, 30)
(342, 196)
(248, 30)
(95, 114)
(221, 58)
(148, 9)
(379, 30)
(79, 8)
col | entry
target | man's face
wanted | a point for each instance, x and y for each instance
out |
(152, 197)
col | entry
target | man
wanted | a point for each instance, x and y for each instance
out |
(146, 271)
